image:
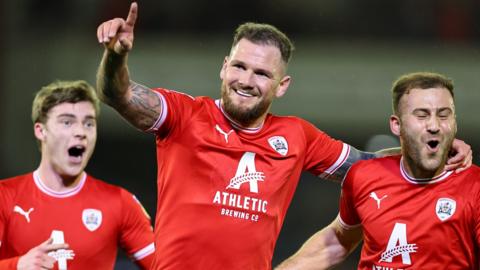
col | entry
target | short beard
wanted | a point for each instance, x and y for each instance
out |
(415, 155)
(243, 117)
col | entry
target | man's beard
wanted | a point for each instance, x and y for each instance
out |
(243, 117)
(413, 151)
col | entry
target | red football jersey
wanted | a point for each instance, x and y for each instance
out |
(413, 223)
(93, 218)
(223, 191)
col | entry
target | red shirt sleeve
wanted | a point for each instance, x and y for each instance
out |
(9, 264)
(5, 205)
(323, 152)
(137, 233)
(477, 213)
(176, 106)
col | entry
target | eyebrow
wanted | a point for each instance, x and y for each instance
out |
(69, 115)
(66, 115)
(436, 110)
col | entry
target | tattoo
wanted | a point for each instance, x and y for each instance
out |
(354, 156)
(144, 106)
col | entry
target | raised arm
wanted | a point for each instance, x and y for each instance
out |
(325, 249)
(138, 104)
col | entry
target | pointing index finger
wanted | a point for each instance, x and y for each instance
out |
(132, 14)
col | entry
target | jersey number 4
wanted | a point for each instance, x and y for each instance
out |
(61, 255)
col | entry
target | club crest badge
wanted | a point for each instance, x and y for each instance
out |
(92, 219)
(279, 144)
(445, 208)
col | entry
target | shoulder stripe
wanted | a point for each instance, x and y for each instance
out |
(163, 115)
(341, 159)
(144, 252)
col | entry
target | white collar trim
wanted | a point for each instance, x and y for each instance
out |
(414, 180)
(58, 194)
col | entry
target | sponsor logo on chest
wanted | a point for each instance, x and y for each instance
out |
(241, 206)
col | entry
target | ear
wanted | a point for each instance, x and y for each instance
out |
(283, 86)
(39, 131)
(224, 67)
(395, 124)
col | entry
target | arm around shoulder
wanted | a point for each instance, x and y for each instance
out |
(325, 249)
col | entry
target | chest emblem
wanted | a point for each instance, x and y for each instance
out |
(279, 144)
(445, 208)
(92, 219)
(26, 214)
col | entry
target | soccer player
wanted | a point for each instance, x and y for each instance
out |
(59, 217)
(227, 169)
(411, 212)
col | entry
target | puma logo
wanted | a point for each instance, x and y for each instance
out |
(22, 212)
(374, 196)
(225, 134)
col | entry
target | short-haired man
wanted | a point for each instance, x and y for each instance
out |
(59, 203)
(411, 212)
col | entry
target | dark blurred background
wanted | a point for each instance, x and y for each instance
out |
(348, 53)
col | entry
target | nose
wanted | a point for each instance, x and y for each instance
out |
(79, 131)
(245, 78)
(433, 125)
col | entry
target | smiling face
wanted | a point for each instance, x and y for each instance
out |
(68, 137)
(426, 125)
(252, 76)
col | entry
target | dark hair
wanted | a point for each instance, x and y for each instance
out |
(419, 80)
(62, 92)
(265, 34)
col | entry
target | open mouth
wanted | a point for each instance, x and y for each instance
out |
(433, 144)
(76, 151)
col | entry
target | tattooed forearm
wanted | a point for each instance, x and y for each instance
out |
(112, 79)
(144, 106)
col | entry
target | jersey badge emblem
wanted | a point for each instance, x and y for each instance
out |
(279, 144)
(92, 219)
(445, 208)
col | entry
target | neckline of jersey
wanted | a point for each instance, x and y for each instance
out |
(236, 125)
(58, 194)
(414, 180)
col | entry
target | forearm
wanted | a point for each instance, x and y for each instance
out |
(113, 79)
(388, 152)
(321, 251)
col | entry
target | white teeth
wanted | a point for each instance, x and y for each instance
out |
(245, 94)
